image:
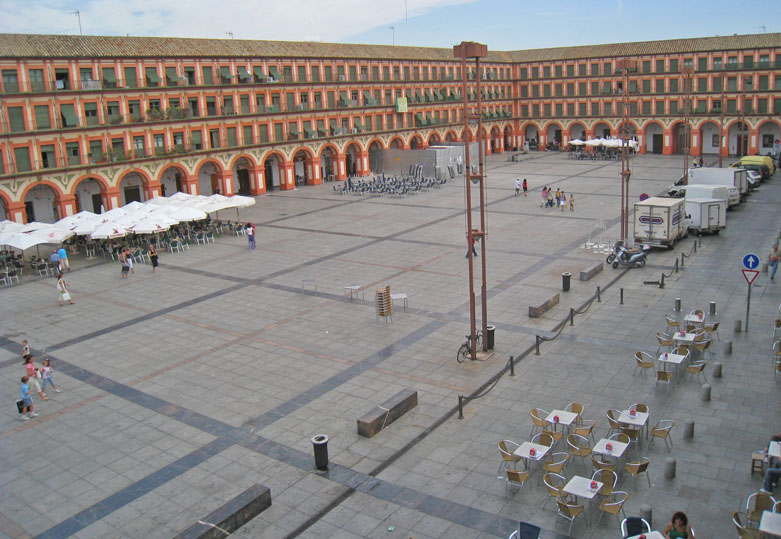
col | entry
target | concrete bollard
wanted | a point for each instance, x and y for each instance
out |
(712, 309)
(717, 370)
(728, 348)
(646, 514)
(688, 430)
(705, 392)
(669, 468)
(677, 305)
(738, 326)
(764, 267)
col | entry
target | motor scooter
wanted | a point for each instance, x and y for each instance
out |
(621, 256)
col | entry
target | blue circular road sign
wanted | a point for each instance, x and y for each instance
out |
(751, 261)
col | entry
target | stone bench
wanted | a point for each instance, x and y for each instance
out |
(537, 310)
(588, 272)
(387, 412)
(231, 516)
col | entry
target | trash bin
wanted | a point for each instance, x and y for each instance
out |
(489, 336)
(565, 279)
(320, 446)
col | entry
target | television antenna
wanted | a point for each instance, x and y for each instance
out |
(78, 14)
(393, 30)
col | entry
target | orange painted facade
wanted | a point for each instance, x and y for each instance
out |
(83, 129)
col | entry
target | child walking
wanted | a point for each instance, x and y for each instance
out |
(33, 376)
(28, 409)
(46, 373)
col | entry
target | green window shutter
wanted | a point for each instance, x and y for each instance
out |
(248, 139)
(109, 75)
(42, 118)
(279, 134)
(171, 76)
(231, 134)
(274, 72)
(131, 78)
(259, 73)
(225, 74)
(22, 158)
(197, 137)
(152, 76)
(263, 133)
(244, 74)
(69, 115)
(16, 119)
(208, 77)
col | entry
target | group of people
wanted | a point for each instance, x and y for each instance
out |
(126, 260)
(37, 379)
(550, 200)
(59, 258)
(518, 187)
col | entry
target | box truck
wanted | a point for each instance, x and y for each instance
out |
(721, 176)
(706, 214)
(659, 221)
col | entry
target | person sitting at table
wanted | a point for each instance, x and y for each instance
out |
(773, 468)
(678, 527)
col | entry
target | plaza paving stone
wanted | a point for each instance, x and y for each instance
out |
(182, 389)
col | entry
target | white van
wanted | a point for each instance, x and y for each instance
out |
(723, 192)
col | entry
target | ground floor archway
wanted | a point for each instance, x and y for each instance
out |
(654, 138)
(172, 180)
(41, 204)
(90, 194)
(243, 176)
(132, 188)
(209, 179)
(709, 134)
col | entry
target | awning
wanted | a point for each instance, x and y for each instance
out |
(170, 72)
(418, 96)
(429, 119)
(438, 95)
(109, 75)
(358, 124)
(259, 73)
(368, 99)
(70, 115)
(152, 75)
(309, 132)
(225, 72)
(334, 125)
(419, 119)
(294, 130)
(429, 97)
(274, 73)
(244, 74)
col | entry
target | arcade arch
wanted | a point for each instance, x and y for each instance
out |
(351, 159)
(209, 178)
(415, 142)
(601, 130)
(41, 203)
(133, 188)
(90, 194)
(172, 180)
(243, 176)
(302, 164)
(769, 134)
(328, 163)
(709, 137)
(577, 131)
(654, 138)
(737, 136)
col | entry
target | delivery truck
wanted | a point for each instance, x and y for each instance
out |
(659, 221)
(706, 215)
(721, 176)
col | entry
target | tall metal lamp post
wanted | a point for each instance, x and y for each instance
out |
(626, 66)
(688, 79)
(471, 50)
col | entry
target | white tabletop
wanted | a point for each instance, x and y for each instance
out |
(649, 535)
(774, 450)
(639, 418)
(565, 418)
(524, 450)
(694, 318)
(353, 287)
(675, 359)
(581, 486)
(686, 337)
(617, 450)
(770, 523)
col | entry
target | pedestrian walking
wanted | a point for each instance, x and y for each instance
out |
(153, 257)
(63, 254)
(34, 375)
(62, 288)
(550, 198)
(54, 259)
(46, 376)
(544, 198)
(563, 201)
(773, 262)
(124, 260)
(25, 348)
(517, 186)
(525, 187)
(474, 251)
(571, 202)
(28, 409)
(251, 235)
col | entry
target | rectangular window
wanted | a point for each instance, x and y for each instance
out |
(535, 90)
(581, 88)
(558, 71)
(717, 63)
(660, 107)
(524, 91)
(68, 113)
(197, 139)
(717, 84)
(73, 153)
(559, 110)
(608, 108)
(581, 70)
(16, 119)
(138, 147)
(582, 109)
(315, 73)
(525, 111)
(247, 135)
(594, 69)
(646, 86)
(762, 106)
(702, 84)
(546, 72)
(776, 102)
(536, 111)
(91, 113)
(48, 159)
(570, 109)
(546, 90)
(570, 70)
(660, 66)
(109, 77)
(263, 133)
(673, 107)
(131, 77)
(22, 159)
(208, 75)
(36, 80)
(608, 68)
(702, 64)
(764, 60)
(546, 110)
(646, 66)
(595, 109)
(659, 86)
(673, 65)
(524, 73)
(594, 88)
(763, 79)
(152, 78)
(570, 89)
(748, 61)
(260, 102)
(535, 72)
(646, 107)
(230, 134)
(42, 119)
(279, 135)
(244, 100)
(732, 84)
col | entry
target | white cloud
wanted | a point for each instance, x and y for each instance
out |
(292, 20)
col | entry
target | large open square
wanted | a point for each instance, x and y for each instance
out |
(181, 389)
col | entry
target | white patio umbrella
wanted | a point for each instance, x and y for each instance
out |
(154, 223)
(9, 226)
(53, 234)
(86, 226)
(23, 240)
(109, 230)
(184, 213)
(137, 207)
(71, 220)
(577, 142)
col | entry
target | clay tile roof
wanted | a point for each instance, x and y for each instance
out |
(61, 46)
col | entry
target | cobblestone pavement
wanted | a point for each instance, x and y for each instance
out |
(182, 389)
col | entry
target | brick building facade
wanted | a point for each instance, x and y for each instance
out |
(89, 121)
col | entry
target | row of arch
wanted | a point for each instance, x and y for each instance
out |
(45, 200)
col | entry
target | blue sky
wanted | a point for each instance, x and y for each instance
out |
(501, 24)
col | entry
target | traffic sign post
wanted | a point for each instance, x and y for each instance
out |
(751, 262)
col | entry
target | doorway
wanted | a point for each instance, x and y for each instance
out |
(243, 175)
(97, 202)
(269, 176)
(132, 194)
(28, 209)
(658, 143)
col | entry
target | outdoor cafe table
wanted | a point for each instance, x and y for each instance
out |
(640, 419)
(770, 523)
(581, 486)
(648, 535)
(694, 319)
(616, 451)
(673, 359)
(685, 339)
(524, 451)
(775, 450)
(565, 418)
